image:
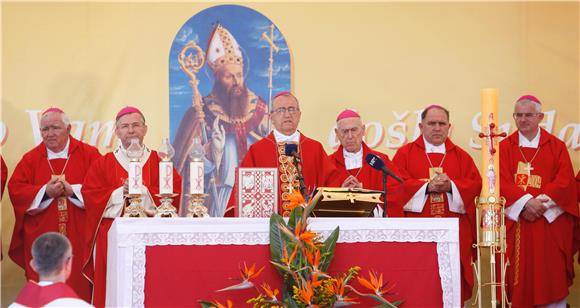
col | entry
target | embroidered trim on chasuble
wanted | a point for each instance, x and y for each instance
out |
(437, 201)
(524, 179)
(288, 177)
(62, 212)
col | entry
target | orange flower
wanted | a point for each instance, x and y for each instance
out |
(314, 281)
(288, 260)
(296, 200)
(250, 273)
(314, 260)
(306, 293)
(374, 284)
(304, 235)
(271, 294)
(229, 304)
(337, 288)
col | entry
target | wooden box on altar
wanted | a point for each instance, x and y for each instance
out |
(346, 202)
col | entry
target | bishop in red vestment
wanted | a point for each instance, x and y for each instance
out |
(105, 191)
(441, 180)
(4, 176)
(350, 157)
(317, 169)
(45, 190)
(577, 226)
(538, 183)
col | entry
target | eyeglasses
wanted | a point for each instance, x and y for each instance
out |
(282, 110)
(518, 115)
(125, 126)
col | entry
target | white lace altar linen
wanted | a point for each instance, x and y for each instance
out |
(129, 237)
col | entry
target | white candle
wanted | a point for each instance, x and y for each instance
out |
(196, 177)
(135, 178)
(165, 177)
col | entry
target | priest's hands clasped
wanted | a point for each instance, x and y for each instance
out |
(352, 182)
(439, 183)
(56, 188)
(533, 209)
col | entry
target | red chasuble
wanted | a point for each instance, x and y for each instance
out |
(461, 169)
(32, 172)
(4, 175)
(540, 253)
(317, 169)
(105, 176)
(372, 178)
(34, 295)
(577, 226)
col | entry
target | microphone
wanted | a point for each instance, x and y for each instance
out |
(291, 149)
(377, 163)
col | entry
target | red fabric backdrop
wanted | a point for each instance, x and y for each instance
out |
(182, 275)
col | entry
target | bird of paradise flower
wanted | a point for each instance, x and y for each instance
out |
(302, 259)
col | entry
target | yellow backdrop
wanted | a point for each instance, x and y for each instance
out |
(388, 60)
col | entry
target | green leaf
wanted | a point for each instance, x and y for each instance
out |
(327, 250)
(295, 216)
(281, 268)
(206, 304)
(276, 239)
(312, 205)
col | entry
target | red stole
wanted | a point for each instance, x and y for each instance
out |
(3, 176)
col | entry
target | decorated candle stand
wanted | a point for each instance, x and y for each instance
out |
(135, 207)
(166, 208)
(196, 207)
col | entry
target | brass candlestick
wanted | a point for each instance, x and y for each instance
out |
(166, 208)
(196, 207)
(134, 208)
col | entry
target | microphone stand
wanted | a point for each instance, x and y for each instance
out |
(385, 196)
(297, 161)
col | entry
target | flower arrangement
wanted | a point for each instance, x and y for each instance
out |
(302, 259)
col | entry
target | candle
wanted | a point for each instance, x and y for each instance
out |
(196, 177)
(489, 144)
(165, 177)
(490, 202)
(135, 178)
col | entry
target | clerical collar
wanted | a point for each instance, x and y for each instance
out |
(295, 137)
(44, 283)
(352, 160)
(61, 154)
(430, 148)
(525, 143)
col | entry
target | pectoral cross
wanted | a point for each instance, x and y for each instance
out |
(528, 168)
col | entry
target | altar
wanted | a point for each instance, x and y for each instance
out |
(175, 262)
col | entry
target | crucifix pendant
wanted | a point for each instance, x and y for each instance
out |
(59, 177)
(528, 168)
